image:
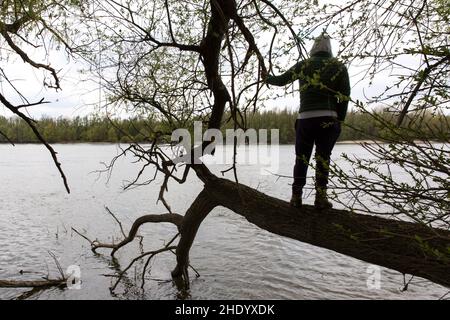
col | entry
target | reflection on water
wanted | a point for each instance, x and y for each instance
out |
(236, 260)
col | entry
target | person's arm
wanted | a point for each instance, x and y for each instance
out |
(344, 97)
(283, 79)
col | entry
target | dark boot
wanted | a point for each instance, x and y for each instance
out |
(321, 201)
(296, 200)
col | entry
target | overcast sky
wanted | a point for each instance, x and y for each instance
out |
(80, 93)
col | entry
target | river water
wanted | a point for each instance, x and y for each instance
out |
(235, 259)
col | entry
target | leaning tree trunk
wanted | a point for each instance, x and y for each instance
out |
(409, 248)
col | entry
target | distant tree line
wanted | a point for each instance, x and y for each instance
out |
(358, 126)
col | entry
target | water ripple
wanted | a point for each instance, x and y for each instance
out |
(236, 259)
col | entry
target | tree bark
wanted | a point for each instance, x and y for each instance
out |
(195, 215)
(409, 248)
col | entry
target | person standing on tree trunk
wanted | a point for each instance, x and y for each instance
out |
(324, 96)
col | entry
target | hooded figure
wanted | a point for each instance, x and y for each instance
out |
(324, 96)
(322, 43)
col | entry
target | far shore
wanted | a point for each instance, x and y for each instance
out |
(146, 142)
(360, 141)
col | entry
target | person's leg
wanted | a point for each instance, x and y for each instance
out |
(328, 133)
(304, 143)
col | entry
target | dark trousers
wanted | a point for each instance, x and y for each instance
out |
(322, 132)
